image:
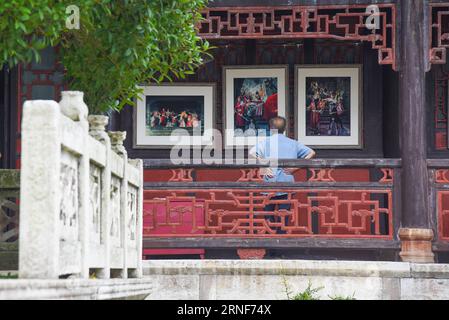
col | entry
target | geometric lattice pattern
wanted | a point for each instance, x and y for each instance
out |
(9, 219)
(317, 175)
(340, 22)
(43, 80)
(439, 33)
(441, 107)
(260, 212)
(443, 215)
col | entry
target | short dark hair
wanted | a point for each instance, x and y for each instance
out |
(279, 124)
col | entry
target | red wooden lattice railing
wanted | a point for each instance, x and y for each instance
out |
(241, 213)
(441, 189)
(443, 215)
(337, 201)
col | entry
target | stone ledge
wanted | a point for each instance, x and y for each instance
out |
(432, 271)
(243, 280)
(278, 267)
(76, 289)
(266, 279)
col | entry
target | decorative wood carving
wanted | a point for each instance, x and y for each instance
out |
(439, 32)
(321, 175)
(181, 175)
(443, 215)
(242, 212)
(442, 176)
(341, 22)
(251, 254)
(388, 175)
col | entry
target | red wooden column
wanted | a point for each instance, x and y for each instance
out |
(415, 233)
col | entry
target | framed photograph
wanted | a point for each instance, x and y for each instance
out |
(329, 106)
(252, 95)
(174, 114)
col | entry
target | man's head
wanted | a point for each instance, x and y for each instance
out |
(279, 124)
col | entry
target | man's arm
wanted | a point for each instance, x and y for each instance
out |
(311, 154)
(255, 153)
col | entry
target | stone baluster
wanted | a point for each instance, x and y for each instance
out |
(97, 129)
(117, 139)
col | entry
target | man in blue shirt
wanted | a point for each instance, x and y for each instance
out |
(276, 147)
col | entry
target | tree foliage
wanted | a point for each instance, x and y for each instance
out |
(27, 26)
(121, 43)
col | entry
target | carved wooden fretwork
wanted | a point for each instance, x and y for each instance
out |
(251, 254)
(251, 175)
(181, 175)
(439, 32)
(442, 176)
(341, 22)
(246, 213)
(443, 215)
(440, 112)
(388, 175)
(321, 175)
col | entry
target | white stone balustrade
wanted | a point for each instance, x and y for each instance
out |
(81, 197)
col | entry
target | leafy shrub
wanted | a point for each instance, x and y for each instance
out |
(119, 45)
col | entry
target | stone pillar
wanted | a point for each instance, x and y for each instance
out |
(117, 139)
(40, 194)
(97, 130)
(415, 235)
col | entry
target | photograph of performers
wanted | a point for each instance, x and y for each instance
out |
(328, 106)
(165, 114)
(256, 102)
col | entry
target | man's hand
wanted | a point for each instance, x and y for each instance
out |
(311, 155)
(267, 172)
(291, 171)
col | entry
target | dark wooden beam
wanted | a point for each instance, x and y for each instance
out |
(318, 163)
(441, 246)
(274, 3)
(8, 116)
(3, 127)
(438, 163)
(415, 210)
(279, 243)
(223, 185)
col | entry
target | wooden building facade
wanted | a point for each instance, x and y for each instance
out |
(359, 203)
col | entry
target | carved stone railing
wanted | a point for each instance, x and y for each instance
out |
(9, 218)
(332, 204)
(81, 213)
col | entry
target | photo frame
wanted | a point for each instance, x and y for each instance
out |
(162, 110)
(251, 96)
(329, 106)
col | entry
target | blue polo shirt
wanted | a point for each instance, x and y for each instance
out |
(280, 147)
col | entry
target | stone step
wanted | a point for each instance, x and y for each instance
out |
(271, 279)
